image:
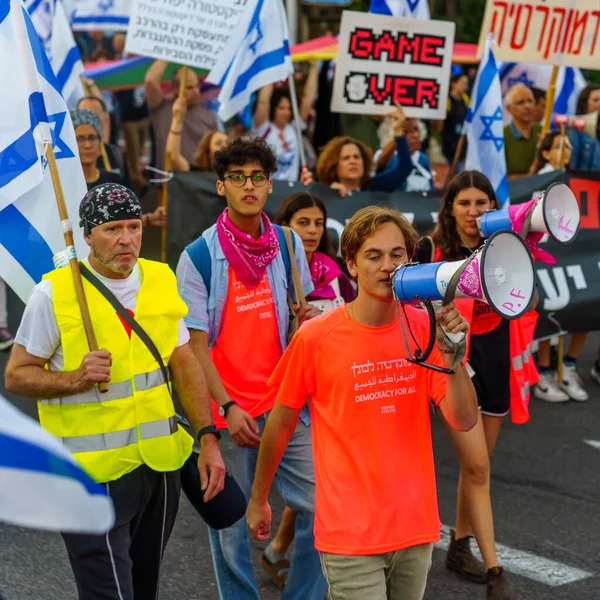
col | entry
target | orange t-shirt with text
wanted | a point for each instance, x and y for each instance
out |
(371, 431)
(247, 348)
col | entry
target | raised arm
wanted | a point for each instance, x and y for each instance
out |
(154, 95)
(178, 162)
(261, 114)
(310, 92)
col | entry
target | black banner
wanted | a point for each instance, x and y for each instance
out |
(569, 291)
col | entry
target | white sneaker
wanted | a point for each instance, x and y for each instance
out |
(548, 390)
(572, 385)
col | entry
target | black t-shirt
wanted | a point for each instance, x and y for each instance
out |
(105, 177)
(489, 353)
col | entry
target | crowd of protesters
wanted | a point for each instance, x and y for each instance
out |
(355, 537)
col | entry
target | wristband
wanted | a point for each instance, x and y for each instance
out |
(175, 132)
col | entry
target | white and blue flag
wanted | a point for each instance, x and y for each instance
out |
(52, 25)
(33, 113)
(107, 15)
(262, 56)
(485, 127)
(569, 83)
(41, 485)
(411, 9)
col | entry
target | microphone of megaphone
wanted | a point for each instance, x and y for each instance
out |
(555, 212)
(500, 273)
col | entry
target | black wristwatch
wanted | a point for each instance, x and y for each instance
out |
(223, 409)
(208, 429)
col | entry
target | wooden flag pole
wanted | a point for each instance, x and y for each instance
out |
(73, 262)
(164, 191)
(459, 149)
(296, 113)
(550, 95)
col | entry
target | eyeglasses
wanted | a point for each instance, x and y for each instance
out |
(239, 179)
(91, 139)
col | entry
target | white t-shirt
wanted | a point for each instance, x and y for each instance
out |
(284, 143)
(39, 332)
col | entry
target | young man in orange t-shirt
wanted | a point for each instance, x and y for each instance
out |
(376, 516)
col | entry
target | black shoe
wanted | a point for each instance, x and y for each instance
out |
(498, 587)
(460, 560)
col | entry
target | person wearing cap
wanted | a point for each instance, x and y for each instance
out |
(127, 438)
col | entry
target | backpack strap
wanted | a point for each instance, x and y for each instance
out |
(200, 257)
(287, 261)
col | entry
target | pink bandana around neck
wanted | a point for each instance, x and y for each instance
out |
(323, 270)
(248, 257)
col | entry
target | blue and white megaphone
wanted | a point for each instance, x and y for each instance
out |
(555, 212)
(500, 273)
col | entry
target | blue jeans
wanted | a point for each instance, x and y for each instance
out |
(296, 484)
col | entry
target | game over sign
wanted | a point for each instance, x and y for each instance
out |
(385, 60)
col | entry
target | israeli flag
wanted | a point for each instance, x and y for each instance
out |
(485, 128)
(262, 56)
(412, 9)
(33, 113)
(41, 485)
(52, 25)
(569, 83)
(108, 15)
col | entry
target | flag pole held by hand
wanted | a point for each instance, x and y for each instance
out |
(73, 262)
(164, 193)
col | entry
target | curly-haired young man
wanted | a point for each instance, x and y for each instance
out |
(235, 279)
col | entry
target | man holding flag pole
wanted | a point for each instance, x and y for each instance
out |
(110, 402)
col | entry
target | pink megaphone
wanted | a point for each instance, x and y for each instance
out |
(555, 212)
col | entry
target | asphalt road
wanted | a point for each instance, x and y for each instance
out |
(546, 498)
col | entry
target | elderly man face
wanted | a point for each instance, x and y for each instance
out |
(519, 104)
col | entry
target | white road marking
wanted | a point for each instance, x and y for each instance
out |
(592, 443)
(540, 569)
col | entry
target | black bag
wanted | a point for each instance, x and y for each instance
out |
(229, 505)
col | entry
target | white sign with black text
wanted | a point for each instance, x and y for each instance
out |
(188, 32)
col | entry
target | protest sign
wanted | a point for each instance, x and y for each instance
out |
(569, 291)
(189, 32)
(552, 32)
(385, 60)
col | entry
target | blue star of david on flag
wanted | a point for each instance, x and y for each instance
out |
(415, 9)
(522, 78)
(488, 134)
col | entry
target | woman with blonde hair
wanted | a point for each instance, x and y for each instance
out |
(346, 164)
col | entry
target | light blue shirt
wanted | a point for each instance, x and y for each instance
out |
(206, 313)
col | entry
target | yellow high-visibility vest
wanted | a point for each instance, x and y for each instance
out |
(134, 422)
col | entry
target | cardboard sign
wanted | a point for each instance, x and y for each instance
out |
(189, 32)
(385, 60)
(552, 32)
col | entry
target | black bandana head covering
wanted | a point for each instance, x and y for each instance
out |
(107, 203)
(80, 116)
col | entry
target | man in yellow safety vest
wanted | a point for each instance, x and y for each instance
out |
(127, 437)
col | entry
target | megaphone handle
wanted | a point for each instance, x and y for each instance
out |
(455, 338)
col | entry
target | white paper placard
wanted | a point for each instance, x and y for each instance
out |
(188, 32)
